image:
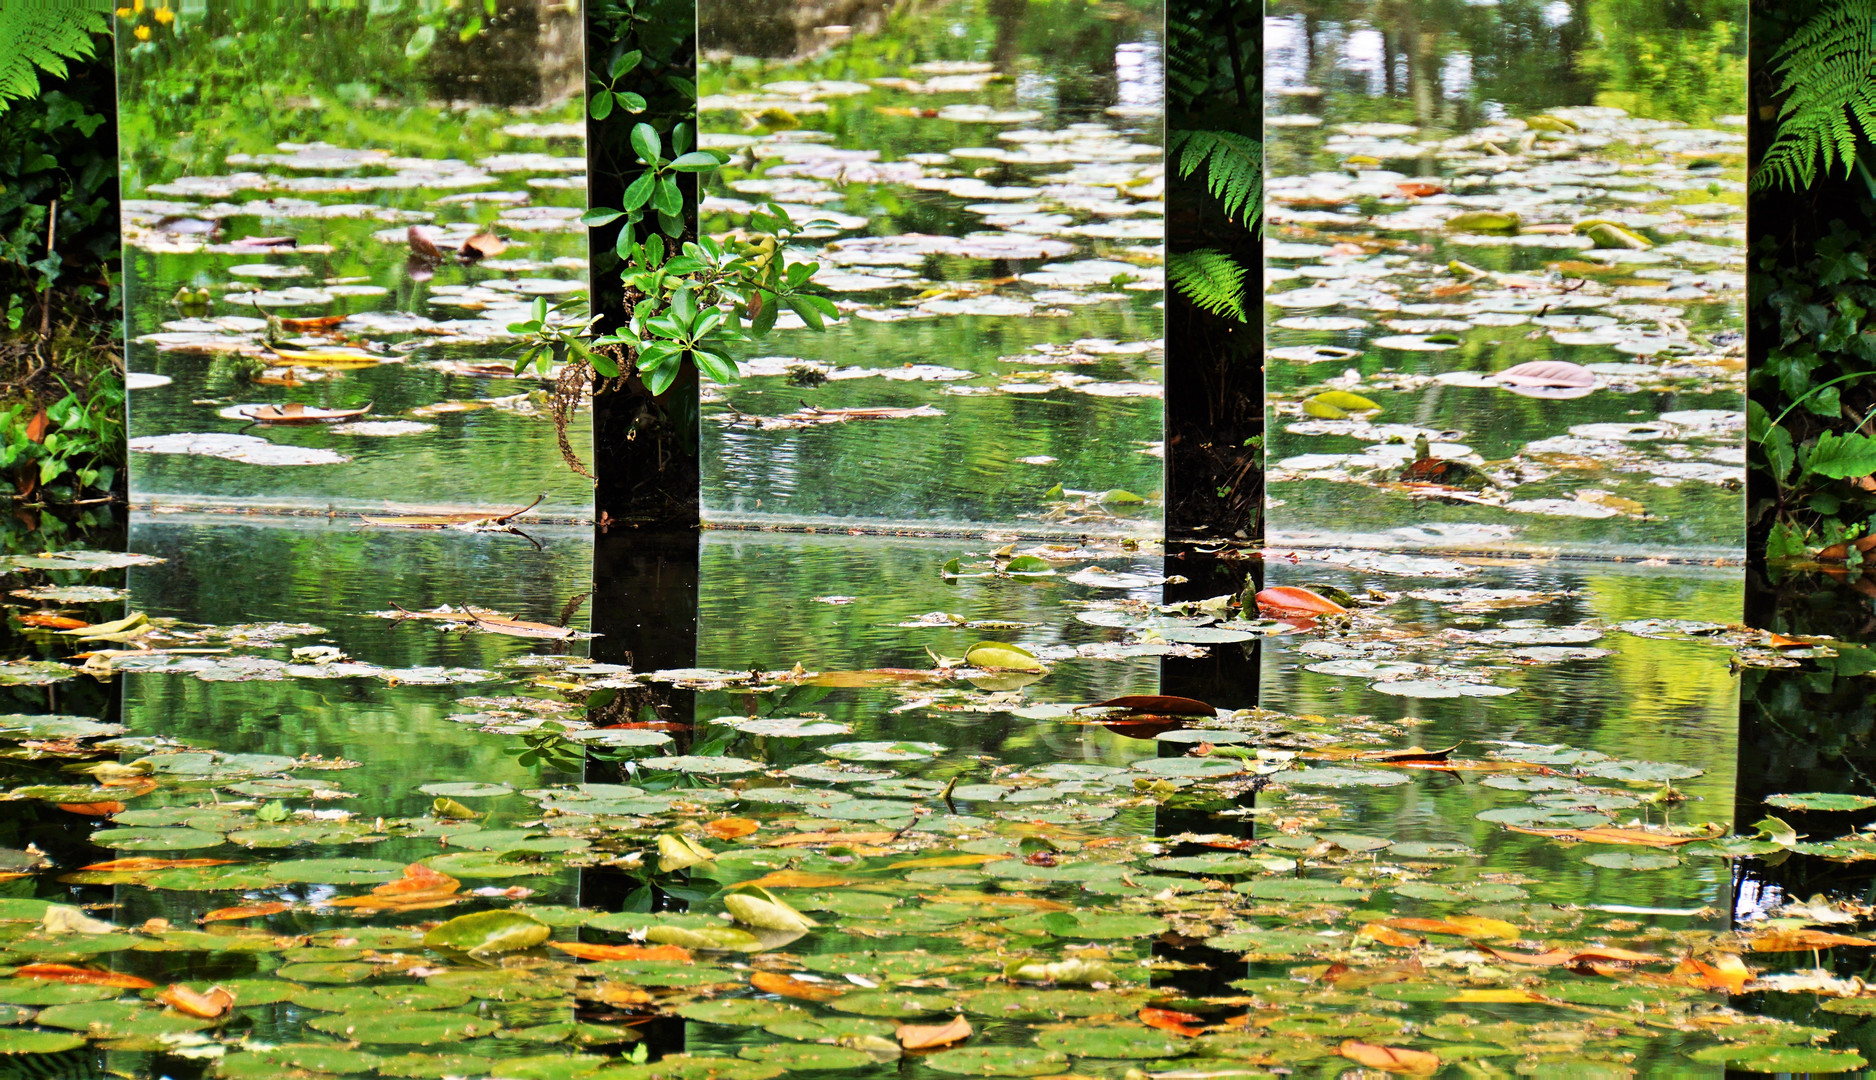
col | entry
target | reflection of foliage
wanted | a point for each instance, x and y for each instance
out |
(1827, 75)
(43, 37)
(1680, 61)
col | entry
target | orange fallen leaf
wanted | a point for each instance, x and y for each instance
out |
(1727, 972)
(730, 828)
(52, 622)
(1602, 834)
(613, 993)
(1419, 189)
(669, 954)
(418, 879)
(37, 426)
(142, 863)
(1495, 996)
(92, 809)
(1466, 926)
(67, 973)
(1027, 903)
(774, 982)
(209, 1005)
(800, 879)
(935, 861)
(926, 1036)
(1288, 599)
(1803, 940)
(1179, 1023)
(1780, 641)
(1390, 1058)
(246, 911)
(1388, 936)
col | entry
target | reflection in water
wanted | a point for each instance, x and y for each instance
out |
(343, 208)
(1506, 267)
(987, 174)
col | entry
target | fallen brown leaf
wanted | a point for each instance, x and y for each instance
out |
(925, 1036)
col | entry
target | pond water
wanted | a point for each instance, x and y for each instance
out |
(1506, 269)
(335, 247)
(1498, 813)
(988, 175)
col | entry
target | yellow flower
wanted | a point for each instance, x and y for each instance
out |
(123, 13)
(165, 16)
(142, 32)
(136, 6)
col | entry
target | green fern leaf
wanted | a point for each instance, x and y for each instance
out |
(1211, 279)
(43, 35)
(1234, 168)
(1827, 74)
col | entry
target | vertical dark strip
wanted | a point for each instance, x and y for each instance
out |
(1214, 336)
(644, 446)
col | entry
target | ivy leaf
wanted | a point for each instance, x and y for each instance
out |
(601, 105)
(634, 103)
(600, 215)
(696, 161)
(667, 199)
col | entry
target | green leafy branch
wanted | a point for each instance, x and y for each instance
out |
(38, 36)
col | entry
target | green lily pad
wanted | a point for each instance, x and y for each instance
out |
(430, 1066)
(1300, 890)
(417, 996)
(1093, 925)
(876, 965)
(741, 1012)
(660, 973)
(336, 871)
(883, 751)
(1631, 860)
(47, 992)
(901, 1004)
(15, 1041)
(997, 1061)
(490, 864)
(703, 766)
(158, 839)
(1219, 862)
(1094, 1041)
(22, 726)
(466, 790)
(1651, 772)
(487, 932)
(410, 1028)
(827, 1029)
(696, 1067)
(1196, 768)
(1342, 777)
(1045, 1004)
(1490, 892)
(1275, 943)
(493, 984)
(119, 1019)
(1818, 800)
(328, 974)
(795, 1056)
(1778, 1058)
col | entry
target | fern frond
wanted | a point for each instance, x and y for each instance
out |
(1234, 168)
(43, 35)
(1211, 279)
(1827, 73)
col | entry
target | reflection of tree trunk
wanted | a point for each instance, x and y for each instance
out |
(1009, 16)
(784, 29)
(1310, 26)
(1388, 45)
(1423, 72)
(528, 53)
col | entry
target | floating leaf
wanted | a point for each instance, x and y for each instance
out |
(488, 932)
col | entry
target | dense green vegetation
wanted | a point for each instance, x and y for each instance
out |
(1814, 213)
(61, 390)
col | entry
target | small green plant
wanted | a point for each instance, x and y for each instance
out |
(687, 299)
